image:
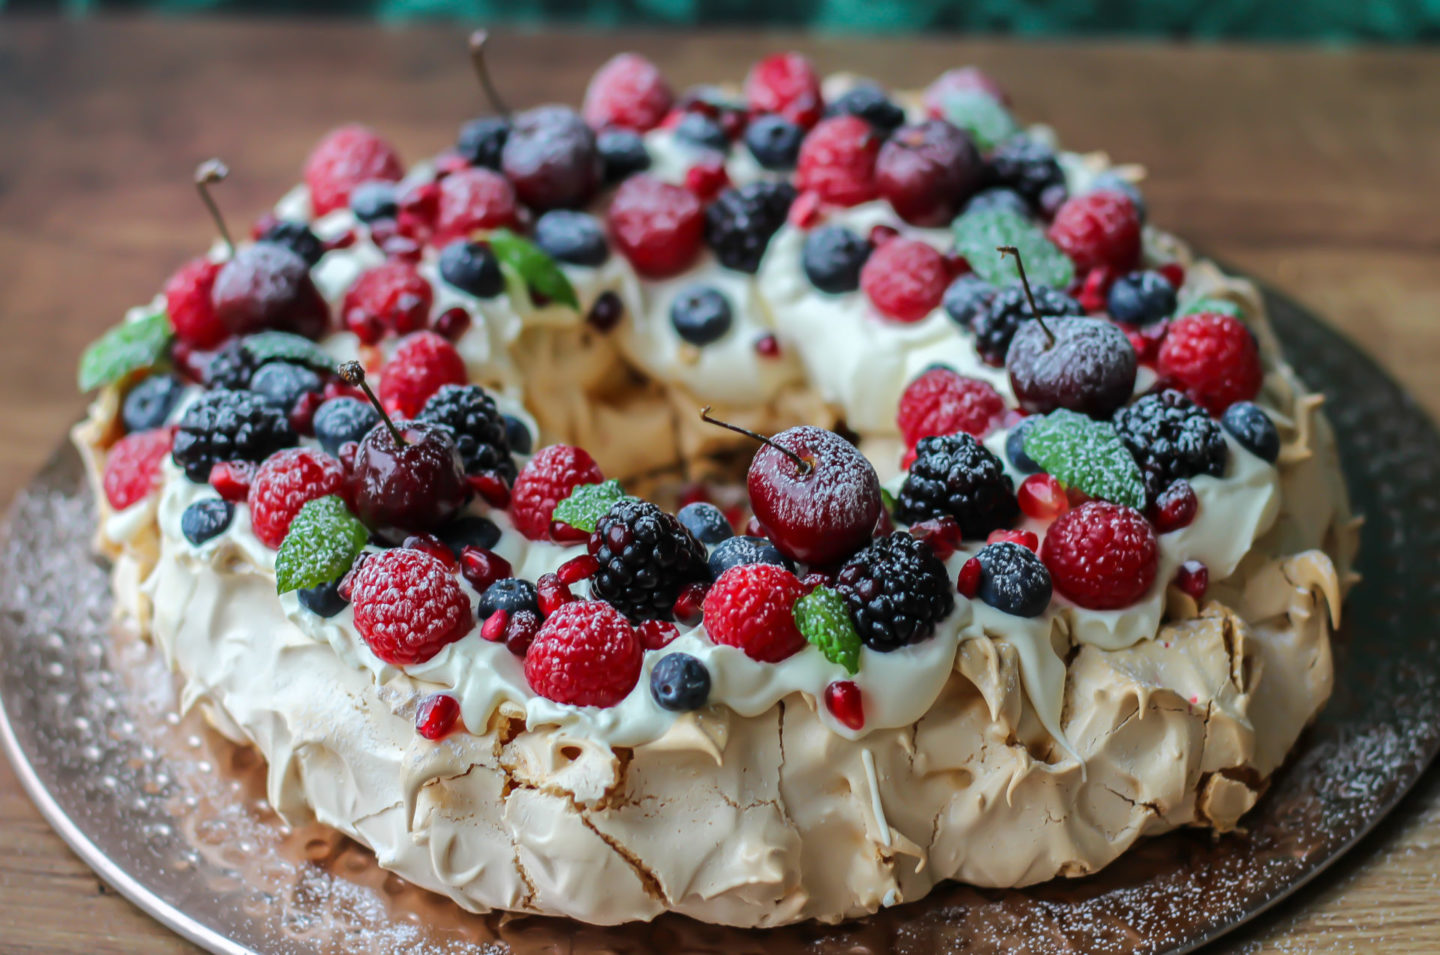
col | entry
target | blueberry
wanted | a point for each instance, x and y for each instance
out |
(706, 521)
(372, 201)
(966, 297)
(774, 141)
(697, 129)
(482, 140)
(1013, 580)
(471, 530)
(471, 267)
(204, 519)
(1141, 298)
(149, 403)
(574, 237)
(1113, 181)
(1252, 427)
(1015, 448)
(297, 237)
(679, 683)
(282, 383)
(343, 419)
(997, 197)
(701, 314)
(323, 600)
(518, 433)
(737, 551)
(622, 154)
(511, 594)
(833, 257)
(870, 103)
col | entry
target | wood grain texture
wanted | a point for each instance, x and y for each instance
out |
(1316, 171)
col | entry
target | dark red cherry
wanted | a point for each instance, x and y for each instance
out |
(817, 496)
(927, 170)
(414, 487)
(1084, 364)
(268, 286)
(551, 159)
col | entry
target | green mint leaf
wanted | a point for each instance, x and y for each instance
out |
(824, 620)
(1221, 305)
(322, 543)
(586, 504)
(1082, 453)
(533, 265)
(127, 347)
(987, 121)
(284, 346)
(978, 234)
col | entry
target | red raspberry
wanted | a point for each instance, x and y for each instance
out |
(1214, 358)
(408, 606)
(132, 468)
(942, 401)
(344, 159)
(286, 482)
(187, 300)
(586, 654)
(752, 607)
(657, 225)
(546, 480)
(787, 84)
(707, 177)
(905, 279)
(656, 634)
(473, 199)
(967, 79)
(1098, 228)
(627, 91)
(392, 297)
(837, 161)
(423, 362)
(1101, 555)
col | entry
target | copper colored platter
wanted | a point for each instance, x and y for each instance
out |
(174, 817)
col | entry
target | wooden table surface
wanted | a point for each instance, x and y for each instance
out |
(1317, 171)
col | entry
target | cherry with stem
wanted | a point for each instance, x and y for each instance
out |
(477, 62)
(805, 466)
(353, 374)
(1005, 250)
(207, 174)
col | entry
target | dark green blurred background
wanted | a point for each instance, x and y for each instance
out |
(1307, 20)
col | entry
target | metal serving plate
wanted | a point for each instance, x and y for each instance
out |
(174, 817)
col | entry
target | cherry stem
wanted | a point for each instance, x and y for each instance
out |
(477, 61)
(353, 374)
(805, 466)
(207, 174)
(1005, 250)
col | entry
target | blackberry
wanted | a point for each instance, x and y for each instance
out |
(469, 413)
(870, 103)
(574, 237)
(343, 419)
(697, 129)
(297, 237)
(1171, 437)
(897, 591)
(1252, 427)
(956, 475)
(206, 518)
(680, 683)
(228, 425)
(967, 297)
(510, 594)
(148, 404)
(1013, 579)
(774, 141)
(482, 140)
(373, 201)
(832, 258)
(646, 558)
(622, 154)
(1027, 166)
(740, 222)
(231, 367)
(706, 521)
(738, 551)
(701, 314)
(995, 325)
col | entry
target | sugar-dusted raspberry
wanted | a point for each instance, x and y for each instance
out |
(187, 302)
(658, 226)
(942, 401)
(753, 607)
(1098, 228)
(787, 84)
(286, 482)
(546, 480)
(408, 606)
(132, 468)
(1214, 358)
(837, 161)
(586, 654)
(473, 199)
(423, 363)
(628, 92)
(344, 159)
(905, 279)
(391, 298)
(1101, 555)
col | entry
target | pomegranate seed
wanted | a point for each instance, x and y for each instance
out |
(815, 579)
(437, 716)
(908, 458)
(563, 533)
(302, 416)
(520, 632)
(687, 609)
(263, 225)
(493, 629)
(232, 479)
(553, 593)
(941, 533)
(656, 634)
(1193, 578)
(842, 699)
(956, 264)
(401, 247)
(1146, 340)
(767, 346)
(452, 323)
(707, 177)
(483, 567)
(335, 388)
(1174, 273)
(348, 580)
(1023, 538)
(805, 210)
(1076, 497)
(884, 524)
(1175, 507)
(577, 569)
(342, 241)
(433, 546)
(347, 454)
(968, 585)
(1042, 497)
(605, 314)
(1096, 288)
(383, 229)
(880, 234)
(188, 361)
(492, 488)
